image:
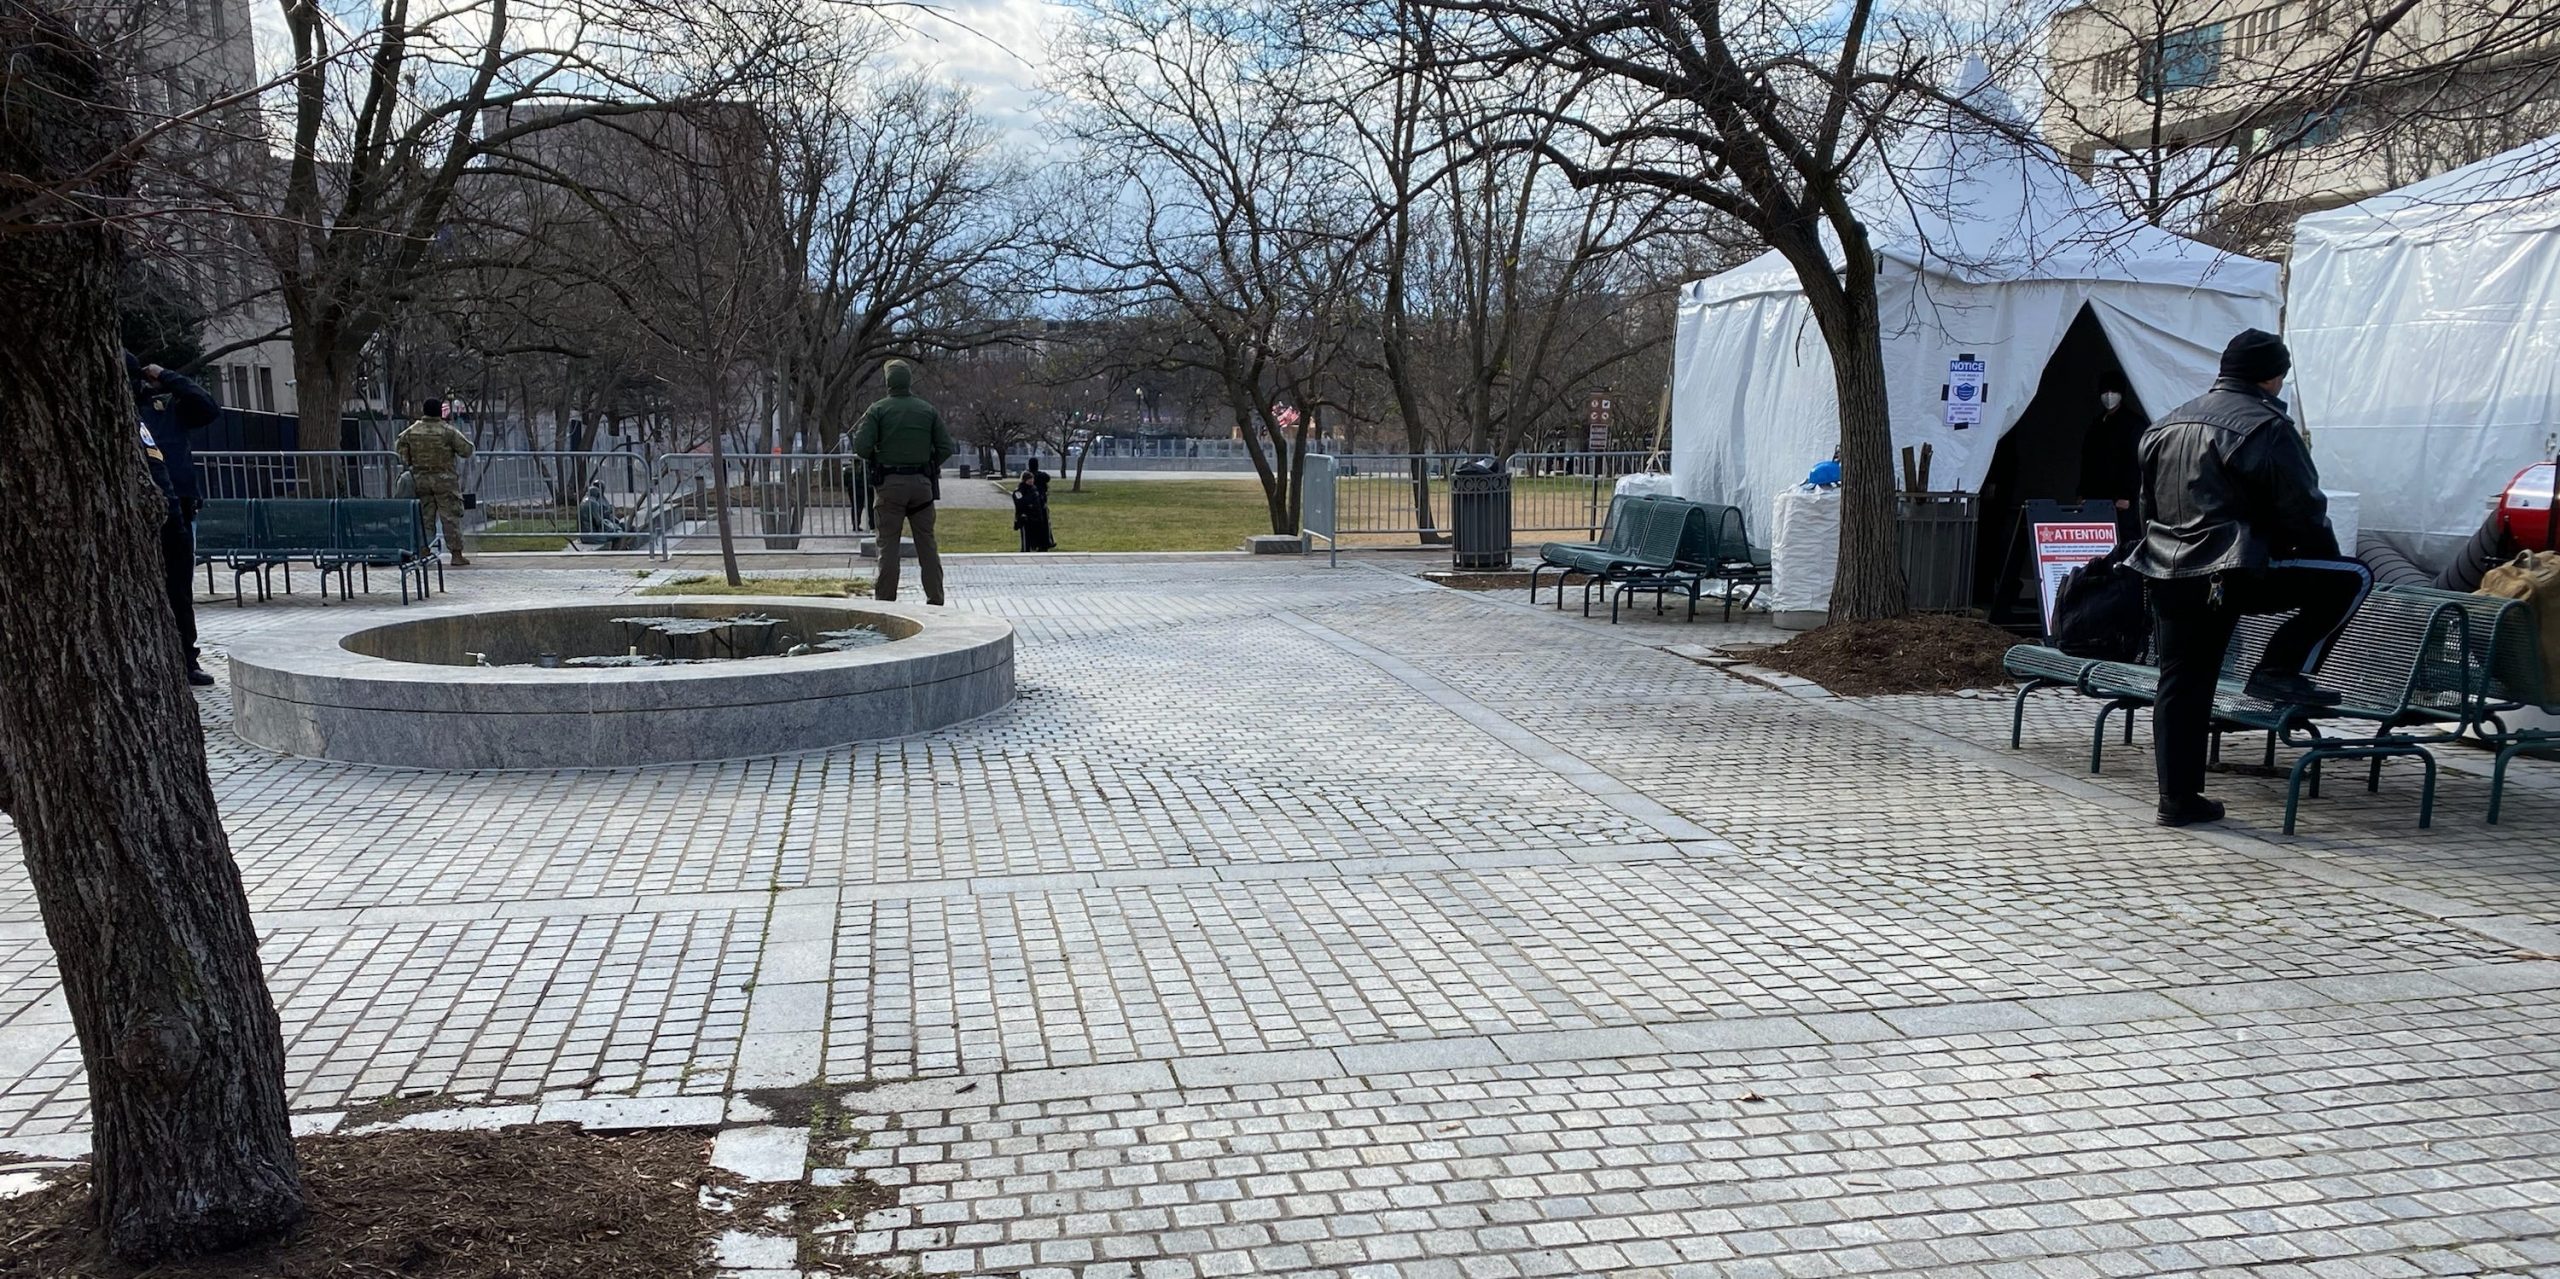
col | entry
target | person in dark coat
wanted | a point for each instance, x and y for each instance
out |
(172, 409)
(1031, 509)
(2234, 523)
(2111, 461)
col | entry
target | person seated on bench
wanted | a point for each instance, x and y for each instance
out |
(2234, 523)
(598, 525)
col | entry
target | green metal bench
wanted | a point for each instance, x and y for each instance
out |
(1656, 527)
(1570, 558)
(2399, 665)
(1635, 524)
(2035, 667)
(222, 536)
(382, 533)
(287, 529)
(2505, 676)
(1709, 534)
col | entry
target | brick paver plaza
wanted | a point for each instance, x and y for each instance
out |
(1309, 921)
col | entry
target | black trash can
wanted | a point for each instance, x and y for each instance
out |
(1480, 510)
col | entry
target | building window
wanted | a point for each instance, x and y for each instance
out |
(2189, 59)
(266, 389)
(239, 386)
(2254, 34)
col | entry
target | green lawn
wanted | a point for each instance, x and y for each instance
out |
(524, 533)
(1122, 515)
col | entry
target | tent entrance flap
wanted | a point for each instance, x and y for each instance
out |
(2067, 446)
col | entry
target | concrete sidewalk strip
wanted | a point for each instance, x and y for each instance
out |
(624, 1114)
(2247, 996)
(1990, 1017)
(1086, 1081)
(1286, 1066)
(2106, 1009)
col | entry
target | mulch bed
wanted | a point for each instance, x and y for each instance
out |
(1923, 653)
(550, 1202)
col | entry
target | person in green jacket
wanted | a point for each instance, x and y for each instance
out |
(903, 441)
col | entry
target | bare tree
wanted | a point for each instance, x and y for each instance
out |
(102, 763)
(1219, 192)
(1763, 112)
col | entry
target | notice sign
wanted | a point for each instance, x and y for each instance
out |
(1964, 392)
(2061, 548)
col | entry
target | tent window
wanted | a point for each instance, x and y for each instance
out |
(2189, 59)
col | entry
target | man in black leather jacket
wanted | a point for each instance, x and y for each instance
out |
(2234, 523)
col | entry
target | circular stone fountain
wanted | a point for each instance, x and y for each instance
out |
(458, 687)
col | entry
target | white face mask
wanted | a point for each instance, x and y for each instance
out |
(2110, 399)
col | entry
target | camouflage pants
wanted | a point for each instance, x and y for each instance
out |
(443, 512)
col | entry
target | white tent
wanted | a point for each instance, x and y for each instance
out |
(2425, 325)
(1989, 250)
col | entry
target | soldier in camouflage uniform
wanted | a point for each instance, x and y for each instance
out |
(433, 451)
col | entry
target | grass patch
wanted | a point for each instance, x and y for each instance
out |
(1122, 515)
(711, 584)
(536, 533)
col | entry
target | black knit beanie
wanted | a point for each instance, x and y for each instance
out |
(2256, 356)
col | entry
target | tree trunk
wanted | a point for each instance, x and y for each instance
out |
(1870, 583)
(720, 507)
(141, 900)
(318, 387)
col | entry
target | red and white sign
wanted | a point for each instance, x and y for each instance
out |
(2061, 548)
(1596, 414)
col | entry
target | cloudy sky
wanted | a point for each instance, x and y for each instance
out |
(994, 49)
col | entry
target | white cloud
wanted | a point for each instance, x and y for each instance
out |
(998, 50)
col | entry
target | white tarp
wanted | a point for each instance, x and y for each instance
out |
(2425, 326)
(1989, 250)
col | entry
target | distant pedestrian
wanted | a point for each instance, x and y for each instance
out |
(172, 408)
(2234, 523)
(903, 440)
(433, 452)
(1031, 509)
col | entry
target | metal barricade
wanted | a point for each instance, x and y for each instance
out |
(292, 473)
(777, 502)
(1316, 514)
(530, 500)
(1569, 492)
(1382, 495)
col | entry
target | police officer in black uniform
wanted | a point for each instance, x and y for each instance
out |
(173, 408)
(2234, 523)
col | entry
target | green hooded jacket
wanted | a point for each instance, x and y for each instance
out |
(901, 428)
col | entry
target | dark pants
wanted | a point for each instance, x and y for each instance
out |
(2192, 634)
(907, 500)
(178, 572)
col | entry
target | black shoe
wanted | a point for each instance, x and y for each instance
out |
(2189, 811)
(2291, 690)
(198, 676)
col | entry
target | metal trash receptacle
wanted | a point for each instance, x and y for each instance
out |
(1480, 510)
(1937, 548)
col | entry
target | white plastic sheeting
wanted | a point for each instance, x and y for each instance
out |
(1804, 553)
(1988, 250)
(1644, 484)
(2425, 326)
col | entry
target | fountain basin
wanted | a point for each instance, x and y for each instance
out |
(397, 693)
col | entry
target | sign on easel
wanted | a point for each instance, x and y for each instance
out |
(2061, 548)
